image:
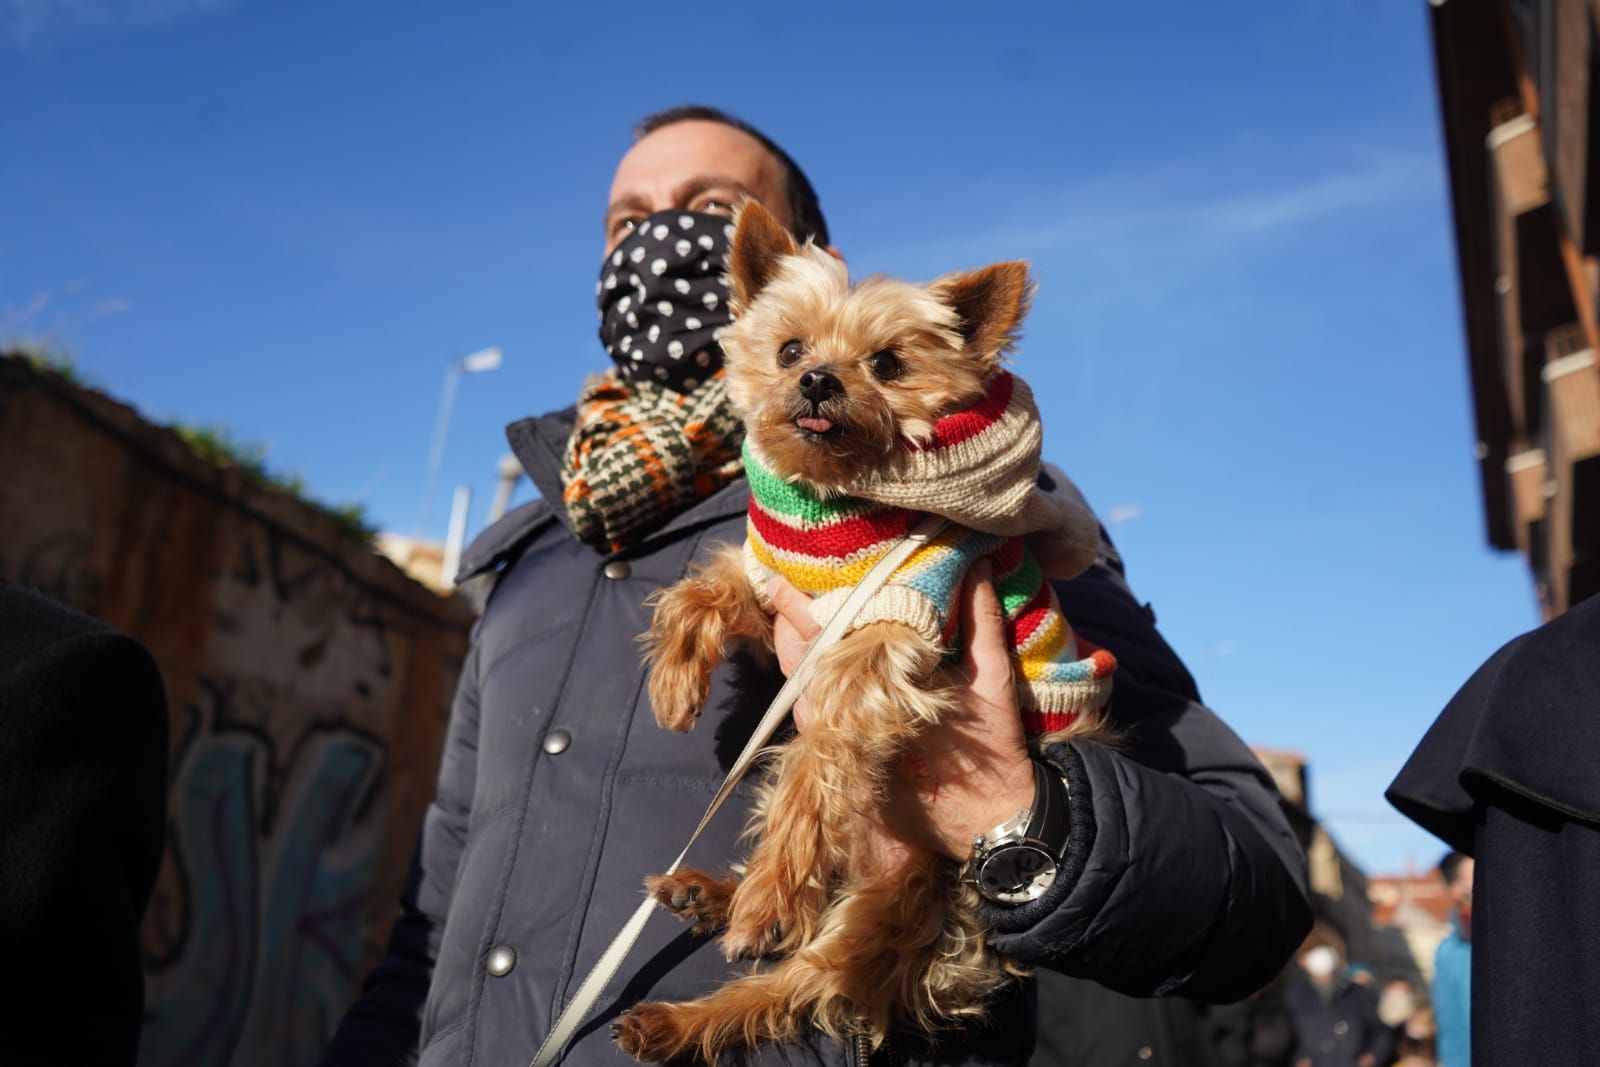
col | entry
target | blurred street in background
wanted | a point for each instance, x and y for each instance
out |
(1315, 332)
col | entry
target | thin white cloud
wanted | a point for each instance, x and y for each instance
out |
(1167, 217)
(27, 24)
(1194, 209)
(34, 306)
(112, 306)
(1122, 513)
(1375, 184)
(17, 319)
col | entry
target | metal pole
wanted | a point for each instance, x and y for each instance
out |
(441, 426)
(456, 539)
(510, 472)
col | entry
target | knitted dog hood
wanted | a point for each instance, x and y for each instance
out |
(981, 470)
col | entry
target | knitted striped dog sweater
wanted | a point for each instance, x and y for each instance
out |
(825, 545)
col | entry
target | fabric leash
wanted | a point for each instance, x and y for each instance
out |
(605, 968)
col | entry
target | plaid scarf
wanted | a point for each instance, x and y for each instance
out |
(640, 453)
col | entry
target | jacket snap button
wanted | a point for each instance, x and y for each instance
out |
(617, 569)
(556, 741)
(501, 959)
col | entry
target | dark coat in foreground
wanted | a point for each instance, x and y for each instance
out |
(558, 793)
(83, 750)
(1510, 775)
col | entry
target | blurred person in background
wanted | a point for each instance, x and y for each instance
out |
(1416, 1041)
(1335, 1020)
(1361, 975)
(558, 793)
(83, 785)
(1397, 1003)
(1452, 966)
(1507, 776)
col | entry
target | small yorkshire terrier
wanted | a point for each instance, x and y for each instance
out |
(864, 406)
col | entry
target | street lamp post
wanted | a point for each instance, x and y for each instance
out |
(486, 359)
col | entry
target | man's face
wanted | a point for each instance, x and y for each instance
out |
(693, 165)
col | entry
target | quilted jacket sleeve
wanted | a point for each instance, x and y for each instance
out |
(1182, 876)
(383, 1025)
(83, 752)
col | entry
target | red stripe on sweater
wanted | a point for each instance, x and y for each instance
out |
(970, 422)
(1008, 557)
(835, 541)
(1044, 722)
(1030, 618)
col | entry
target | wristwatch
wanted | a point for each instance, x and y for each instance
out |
(1017, 861)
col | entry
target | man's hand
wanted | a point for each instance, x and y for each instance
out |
(969, 773)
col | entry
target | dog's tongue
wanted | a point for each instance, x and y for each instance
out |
(814, 423)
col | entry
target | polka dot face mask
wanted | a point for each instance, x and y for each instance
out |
(662, 298)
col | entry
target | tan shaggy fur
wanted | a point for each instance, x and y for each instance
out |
(866, 943)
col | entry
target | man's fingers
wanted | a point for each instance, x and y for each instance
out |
(986, 657)
(792, 632)
(794, 606)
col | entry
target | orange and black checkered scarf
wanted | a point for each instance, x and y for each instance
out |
(640, 453)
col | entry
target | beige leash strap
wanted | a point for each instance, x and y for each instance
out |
(606, 968)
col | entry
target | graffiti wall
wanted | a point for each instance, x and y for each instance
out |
(309, 683)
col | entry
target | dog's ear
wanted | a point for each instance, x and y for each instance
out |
(989, 303)
(759, 245)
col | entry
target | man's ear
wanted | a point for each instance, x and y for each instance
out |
(989, 303)
(759, 245)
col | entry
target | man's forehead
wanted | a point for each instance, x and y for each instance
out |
(693, 150)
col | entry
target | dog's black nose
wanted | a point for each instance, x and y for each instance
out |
(818, 385)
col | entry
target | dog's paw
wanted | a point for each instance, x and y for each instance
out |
(769, 915)
(759, 945)
(648, 1032)
(753, 937)
(678, 690)
(696, 898)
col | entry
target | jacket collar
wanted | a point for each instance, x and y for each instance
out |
(540, 443)
(503, 538)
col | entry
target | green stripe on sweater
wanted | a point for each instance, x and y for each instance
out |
(1018, 587)
(788, 499)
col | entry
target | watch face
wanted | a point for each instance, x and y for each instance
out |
(1016, 873)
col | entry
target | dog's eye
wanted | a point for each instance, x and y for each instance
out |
(886, 365)
(790, 353)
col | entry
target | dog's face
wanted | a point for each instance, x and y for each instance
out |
(833, 381)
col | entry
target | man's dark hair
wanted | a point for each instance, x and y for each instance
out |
(804, 207)
(1449, 866)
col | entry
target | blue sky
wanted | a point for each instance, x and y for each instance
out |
(288, 217)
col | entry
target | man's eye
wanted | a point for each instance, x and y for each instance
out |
(716, 207)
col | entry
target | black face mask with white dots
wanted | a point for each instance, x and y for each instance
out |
(662, 298)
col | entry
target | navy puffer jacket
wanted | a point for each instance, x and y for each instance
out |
(558, 793)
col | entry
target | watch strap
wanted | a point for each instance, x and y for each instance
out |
(1051, 823)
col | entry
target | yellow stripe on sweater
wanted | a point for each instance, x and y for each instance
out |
(1044, 647)
(813, 578)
